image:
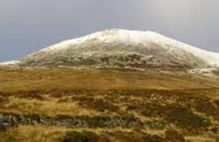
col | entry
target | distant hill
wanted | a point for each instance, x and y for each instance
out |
(118, 48)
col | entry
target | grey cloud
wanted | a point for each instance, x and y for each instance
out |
(27, 26)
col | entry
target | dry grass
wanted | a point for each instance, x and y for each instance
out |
(54, 134)
(49, 107)
(150, 106)
(65, 79)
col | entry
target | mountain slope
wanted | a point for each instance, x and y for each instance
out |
(50, 103)
(60, 104)
(122, 48)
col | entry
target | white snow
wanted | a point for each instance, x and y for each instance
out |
(9, 63)
(204, 71)
(139, 37)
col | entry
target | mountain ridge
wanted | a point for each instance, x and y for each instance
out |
(122, 49)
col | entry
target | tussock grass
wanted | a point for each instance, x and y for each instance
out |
(68, 79)
(121, 105)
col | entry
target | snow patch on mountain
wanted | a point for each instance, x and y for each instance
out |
(15, 62)
(117, 47)
(136, 39)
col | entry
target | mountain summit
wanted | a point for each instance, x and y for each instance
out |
(114, 85)
(116, 48)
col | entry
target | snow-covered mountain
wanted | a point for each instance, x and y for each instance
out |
(122, 49)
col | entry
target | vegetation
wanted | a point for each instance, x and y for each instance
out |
(72, 105)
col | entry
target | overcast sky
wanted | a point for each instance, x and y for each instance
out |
(29, 25)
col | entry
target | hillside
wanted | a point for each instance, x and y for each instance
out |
(61, 104)
(118, 48)
(111, 86)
